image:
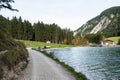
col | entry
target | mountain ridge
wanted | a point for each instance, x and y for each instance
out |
(107, 21)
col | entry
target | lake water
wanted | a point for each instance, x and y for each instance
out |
(97, 63)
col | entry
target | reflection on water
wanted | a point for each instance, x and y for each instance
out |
(97, 63)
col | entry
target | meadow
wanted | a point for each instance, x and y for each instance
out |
(115, 39)
(42, 44)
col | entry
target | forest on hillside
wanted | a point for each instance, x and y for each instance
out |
(24, 30)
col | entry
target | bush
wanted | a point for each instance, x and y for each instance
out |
(94, 38)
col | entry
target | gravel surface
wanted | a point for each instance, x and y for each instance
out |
(41, 67)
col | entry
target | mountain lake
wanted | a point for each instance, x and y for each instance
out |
(97, 63)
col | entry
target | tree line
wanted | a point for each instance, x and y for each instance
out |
(24, 30)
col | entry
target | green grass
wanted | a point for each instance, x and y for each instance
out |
(77, 75)
(115, 39)
(42, 44)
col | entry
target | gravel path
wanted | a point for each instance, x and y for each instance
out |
(44, 68)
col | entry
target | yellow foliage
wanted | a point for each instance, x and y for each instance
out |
(80, 40)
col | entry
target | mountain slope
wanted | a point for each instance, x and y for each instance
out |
(107, 23)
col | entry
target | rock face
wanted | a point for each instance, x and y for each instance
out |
(101, 25)
(107, 23)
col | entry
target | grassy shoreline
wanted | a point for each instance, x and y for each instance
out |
(77, 75)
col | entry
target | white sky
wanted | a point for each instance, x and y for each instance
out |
(66, 13)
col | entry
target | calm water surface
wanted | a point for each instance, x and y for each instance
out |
(97, 63)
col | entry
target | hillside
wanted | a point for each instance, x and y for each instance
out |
(24, 30)
(13, 56)
(107, 23)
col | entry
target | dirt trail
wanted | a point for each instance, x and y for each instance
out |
(44, 68)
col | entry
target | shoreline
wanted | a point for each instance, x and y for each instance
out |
(78, 47)
(77, 75)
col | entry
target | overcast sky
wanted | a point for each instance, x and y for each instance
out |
(66, 13)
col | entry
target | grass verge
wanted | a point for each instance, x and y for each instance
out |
(77, 75)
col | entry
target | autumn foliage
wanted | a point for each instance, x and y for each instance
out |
(80, 40)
